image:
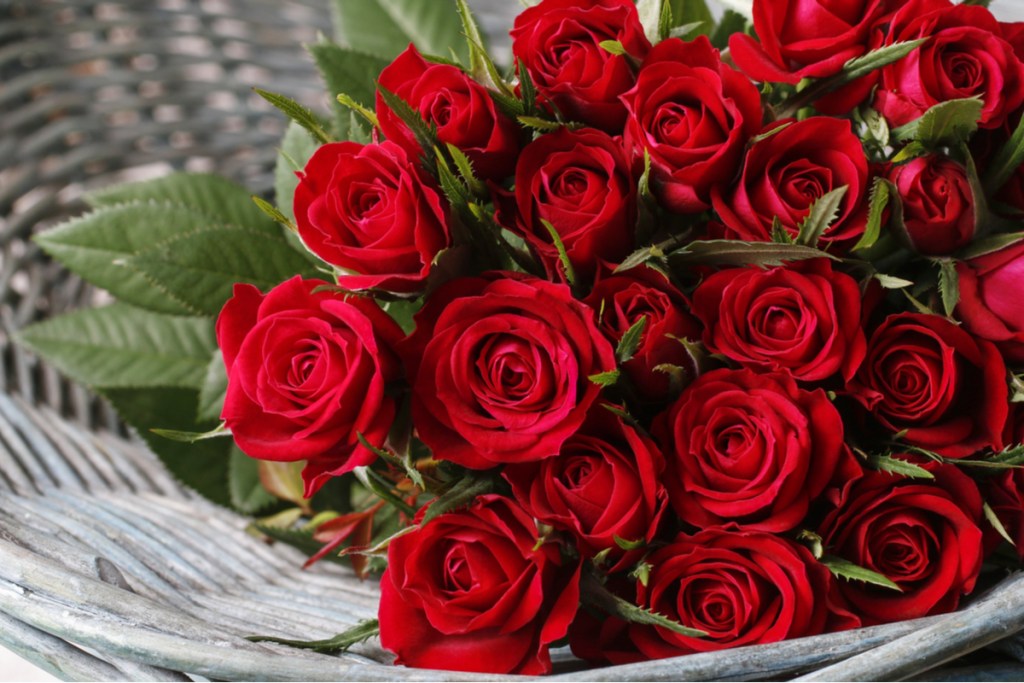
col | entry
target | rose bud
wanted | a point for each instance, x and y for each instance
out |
(559, 44)
(803, 318)
(307, 372)
(581, 183)
(785, 173)
(922, 535)
(694, 115)
(604, 487)
(990, 305)
(965, 56)
(461, 109)
(938, 204)
(500, 369)
(930, 381)
(749, 448)
(474, 590)
(622, 301)
(741, 587)
(371, 211)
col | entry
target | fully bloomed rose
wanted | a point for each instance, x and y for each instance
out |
(990, 303)
(965, 56)
(604, 485)
(499, 366)
(803, 318)
(622, 301)
(785, 173)
(559, 44)
(938, 203)
(371, 211)
(929, 380)
(694, 115)
(922, 535)
(804, 38)
(741, 587)
(749, 448)
(581, 183)
(462, 110)
(307, 373)
(473, 590)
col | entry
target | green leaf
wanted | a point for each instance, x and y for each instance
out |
(848, 570)
(353, 73)
(202, 466)
(563, 255)
(481, 66)
(201, 267)
(813, 542)
(213, 196)
(912, 151)
(247, 493)
(947, 123)
(540, 124)
(463, 493)
(213, 389)
(859, 67)
(191, 437)
(730, 23)
(996, 523)
(301, 539)
(596, 595)
(892, 282)
(665, 22)
(687, 30)
(629, 545)
(385, 27)
(779, 233)
(737, 253)
(639, 257)
(296, 149)
(273, 213)
(990, 244)
(605, 379)
(823, 213)
(949, 286)
(359, 633)
(382, 488)
(877, 202)
(527, 90)
(297, 113)
(630, 341)
(425, 134)
(613, 47)
(905, 468)
(1007, 160)
(465, 169)
(121, 346)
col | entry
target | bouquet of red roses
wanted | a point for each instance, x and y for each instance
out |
(669, 339)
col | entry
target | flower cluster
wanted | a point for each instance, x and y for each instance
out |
(694, 334)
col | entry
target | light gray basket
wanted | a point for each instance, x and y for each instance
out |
(108, 568)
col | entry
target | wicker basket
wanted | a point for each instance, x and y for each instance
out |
(108, 568)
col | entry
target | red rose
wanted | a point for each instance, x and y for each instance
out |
(965, 56)
(935, 384)
(786, 172)
(741, 587)
(460, 108)
(559, 43)
(473, 590)
(804, 39)
(622, 301)
(604, 485)
(694, 116)
(370, 211)
(500, 369)
(803, 319)
(582, 184)
(938, 204)
(1005, 494)
(990, 304)
(307, 373)
(922, 535)
(750, 448)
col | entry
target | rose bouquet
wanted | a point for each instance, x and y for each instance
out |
(678, 334)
